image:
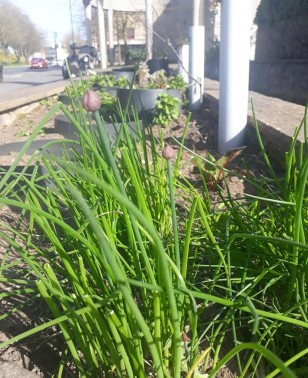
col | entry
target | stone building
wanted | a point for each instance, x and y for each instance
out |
(123, 24)
(171, 20)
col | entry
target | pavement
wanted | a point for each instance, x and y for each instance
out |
(277, 119)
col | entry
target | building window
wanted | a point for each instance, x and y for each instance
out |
(130, 33)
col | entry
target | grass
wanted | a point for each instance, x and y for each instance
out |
(142, 277)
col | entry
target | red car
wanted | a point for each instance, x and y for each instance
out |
(38, 63)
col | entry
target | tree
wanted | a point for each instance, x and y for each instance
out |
(285, 22)
(272, 11)
(17, 32)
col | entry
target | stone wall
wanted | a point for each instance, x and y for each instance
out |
(287, 80)
(287, 39)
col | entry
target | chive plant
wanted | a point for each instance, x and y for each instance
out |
(258, 259)
(106, 274)
(141, 276)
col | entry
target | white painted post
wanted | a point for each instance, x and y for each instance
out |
(110, 33)
(102, 34)
(196, 57)
(183, 63)
(149, 28)
(196, 66)
(233, 73)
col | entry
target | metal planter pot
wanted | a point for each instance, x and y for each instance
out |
(144, 100)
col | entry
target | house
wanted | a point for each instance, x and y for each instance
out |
(126, 26)
(123, 25)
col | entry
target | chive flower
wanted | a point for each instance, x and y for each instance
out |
(91, 101)
(168, 152)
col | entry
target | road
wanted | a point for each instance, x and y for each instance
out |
(22, 85)
(23, 77)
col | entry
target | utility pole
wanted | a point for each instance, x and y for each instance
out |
(72, 24)
(233, 73)
(110, 33)
(196, 57)
(149, 28)
(102, 33)
(88, 19)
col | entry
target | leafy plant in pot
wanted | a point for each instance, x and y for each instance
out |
(99, 83)
(166, 110)
(143, 95)
(127, 72)
(102, 81)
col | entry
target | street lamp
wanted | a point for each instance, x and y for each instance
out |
(56, 46)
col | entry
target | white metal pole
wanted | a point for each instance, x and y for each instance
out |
(196, 12)
(149, 28)
(196, 57)
(102, 34)
(233, 73)
(184, 62)
(110, 33)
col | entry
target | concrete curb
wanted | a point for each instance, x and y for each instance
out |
(26, 101)
(28, 96)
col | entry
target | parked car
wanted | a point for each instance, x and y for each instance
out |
(38, 63)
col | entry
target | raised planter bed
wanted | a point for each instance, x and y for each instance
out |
(64, 127)
(64, 98)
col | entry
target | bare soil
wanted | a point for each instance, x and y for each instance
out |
(40, 354)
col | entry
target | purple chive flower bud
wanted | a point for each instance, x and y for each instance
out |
(91, 101)
(168, 152)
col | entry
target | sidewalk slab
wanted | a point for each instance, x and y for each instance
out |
(277, 119)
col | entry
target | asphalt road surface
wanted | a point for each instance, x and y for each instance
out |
(23, 82)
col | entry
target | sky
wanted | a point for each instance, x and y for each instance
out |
(51, 16)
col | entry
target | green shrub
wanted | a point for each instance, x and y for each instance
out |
(272, 11)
